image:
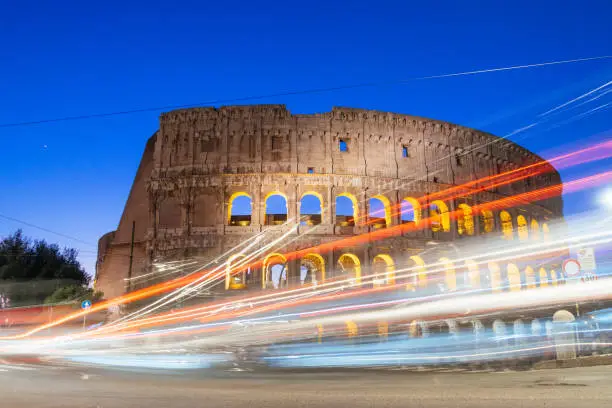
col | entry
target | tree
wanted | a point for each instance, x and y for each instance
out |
(31, 270)
(73, 293)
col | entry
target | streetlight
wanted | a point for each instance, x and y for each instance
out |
(605, 198)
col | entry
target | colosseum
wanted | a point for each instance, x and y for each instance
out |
(208, 177)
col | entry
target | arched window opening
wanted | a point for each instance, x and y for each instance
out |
(542, 278)
(384, 270)
(487, 223)
(380, 212)
(472, 275)
(523, 230)
(514, 277)
(535, 229)
(506, 224)
(237, 274)
(440, 218)
(410, 211)
(239, 209)
(349, 265)
(276, 209)
(495, 277)
(274, 271)
(530, 278)
(450, 277)
(346, 210)
(418, 272)
(546, 231)
(465, 220)
(310, 209)
(312, 269)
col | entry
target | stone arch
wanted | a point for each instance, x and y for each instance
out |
(555, 278)
(535, 229)
(350, 263)
(388, 268)
(522, 228)
(473, 274)
(542, 278)
(514, 277)
(375, 216)
(495, 276)
(530, 278)
(313, 216)
(536, 327)
(545, 231)
(273, 217)
(487, 222)
(465, 220)
(506, 225)
(440, 218)
(235, 279)
(316, 268)
(519, 331)
(419, 272)
(410, 211)
(277, 276)
(343, 219)
(450, 277)
(564, 335)
(478, 327)
(239, 216)
(418, 328)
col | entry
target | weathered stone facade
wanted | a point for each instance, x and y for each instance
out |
(200, 157)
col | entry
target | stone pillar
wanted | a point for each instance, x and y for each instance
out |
(329, 212)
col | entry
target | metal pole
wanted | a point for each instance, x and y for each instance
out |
(129, 282)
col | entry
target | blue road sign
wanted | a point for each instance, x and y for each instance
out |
(86, 304)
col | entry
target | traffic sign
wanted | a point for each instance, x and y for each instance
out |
(571, 268)
(586, 257)
(86, 304)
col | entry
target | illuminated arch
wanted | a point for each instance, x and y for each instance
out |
(420, 272)
(351, 264)
(521, 226)
(542, 278)
(473, 274)
(311, 218)
(386, 209)
(275, 219)
(389, 267)
(488, 223)
(413, 211)
(239, 219)
(465, 220)
(352, 330)
(495, 277)
(514, 277)
(506, 225)
(554, 279)
(343, 219)
(440, 218)
(450, 277)
(418, 328)
(234, 280)
(318, 263)
(546, 231)
(530, 278)
(535, 229)
(269, 261)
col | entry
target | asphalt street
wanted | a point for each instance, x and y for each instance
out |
(34, 384)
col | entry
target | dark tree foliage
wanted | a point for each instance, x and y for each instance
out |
(73, 293)
(22, 259)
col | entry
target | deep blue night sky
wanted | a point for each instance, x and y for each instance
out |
(72, 58)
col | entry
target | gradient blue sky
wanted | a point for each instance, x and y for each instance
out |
(62, 58)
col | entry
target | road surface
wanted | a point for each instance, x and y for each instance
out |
(30, 384)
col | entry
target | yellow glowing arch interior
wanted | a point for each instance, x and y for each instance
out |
(266, 262)
(390, 266)
(320, 261)
(543, 277)
(545, 231)
(421, 271)
(506, 224)
(440, 218)
(495, 276)
(450, 278)
(230, 203)
(473, 273)
(465, 220)
(228, 268)
(416, 208)
(530, 278)
(521, 225)
(488, 223)
(535, 229)
(387, 207)
(356, 265)
(514, 277)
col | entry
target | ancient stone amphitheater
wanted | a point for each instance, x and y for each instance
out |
(207, 176)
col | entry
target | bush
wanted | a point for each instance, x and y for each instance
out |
(74, 293)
